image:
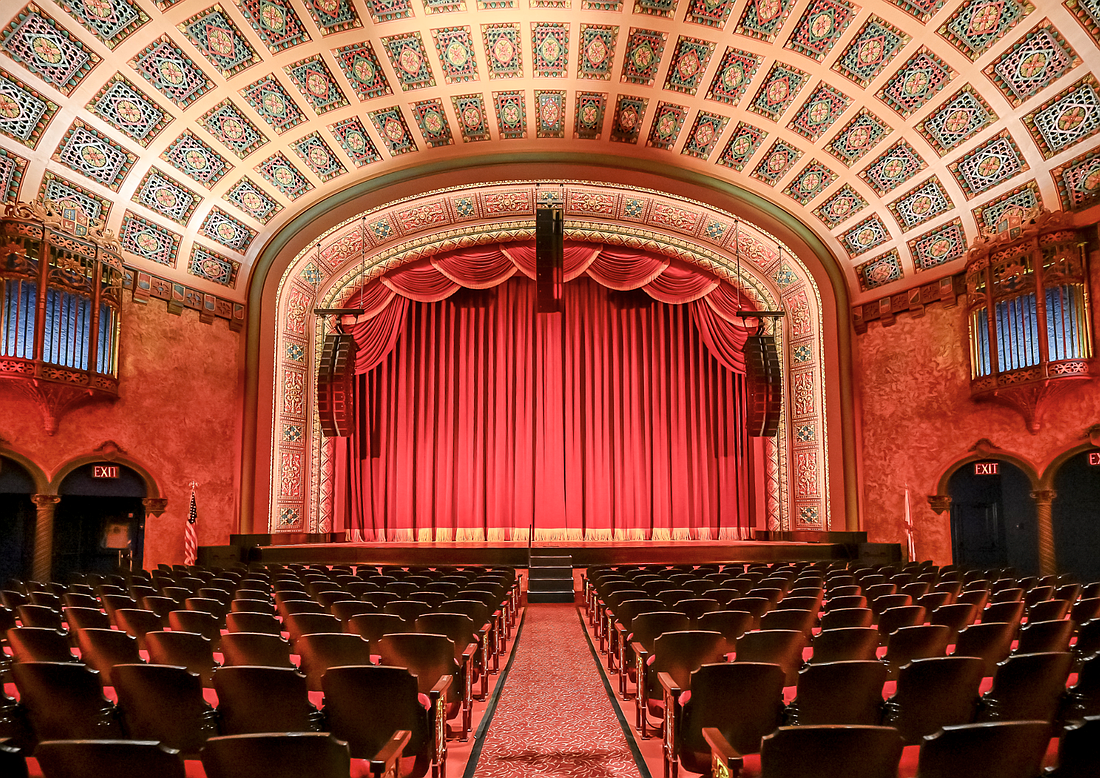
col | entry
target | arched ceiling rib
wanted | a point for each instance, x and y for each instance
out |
(896, 131)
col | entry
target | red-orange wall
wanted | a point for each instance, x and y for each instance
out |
(913, 388)
(178, 416)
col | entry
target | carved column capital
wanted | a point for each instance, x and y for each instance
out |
(1044, 496)
(155, 506)
(45, 500)
(939, 502)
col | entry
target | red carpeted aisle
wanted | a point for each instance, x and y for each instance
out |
(554, 716)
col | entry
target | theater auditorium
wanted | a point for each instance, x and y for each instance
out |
(577, 388)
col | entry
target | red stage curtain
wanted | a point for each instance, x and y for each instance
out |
(614, 420)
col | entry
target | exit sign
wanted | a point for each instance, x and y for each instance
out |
(104, 471)
(1094, 458)
(987, 468)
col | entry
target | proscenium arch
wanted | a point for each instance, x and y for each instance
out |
(707, 191)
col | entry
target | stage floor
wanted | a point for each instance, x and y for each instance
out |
(583, 553)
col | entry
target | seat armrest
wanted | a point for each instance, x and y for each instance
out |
(469, 652)
(724, 759)
(385, 762)
(441, 687)
(669, 684)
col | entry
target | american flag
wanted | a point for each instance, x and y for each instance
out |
(910, 541)
(190, 540)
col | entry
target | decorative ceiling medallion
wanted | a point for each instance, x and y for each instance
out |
(978, 24)
(503, 53)
(511, 115)
(858, 137)
(704, 135)
(94, 155)
(667, 121)
(663, 8)
(409, 61)
(997, 160)
(24, 112)
(171, 72)
(819, 29)
(894, 167)
(762, 19)
(196, 160)
(689, 61)
(588, 115)
(390, 123)
(709, 13)
(922, 10)
(1078, 181)
(842, 206)
(866, 235)
(1087, 13)
(360, 65)
(780, 87)
(112, 21)
(776, 163)
(596, 55)
(232, 129)
(1033, 63)
(456, 53)
(161, 194)
(444, 6)
(602, 5)
(275, 21)
(643, 56)
(212, 266)
(45, 48)
(252, 200)
(940, 246)
(333, 16)
(12, 168)
(470, 112)
(811, 181)
(820, 111)
(126, 108)
(743, 143)
(284, 176)
(316, 84)
(626, 126)
(387, 10)
(59, 189)
(1068, 118)
(354, 140)
(925, 202)
(223, 228)
(1024, 199)
(958, 120)
(873, 48)
(433, 123)
(880, 271)
(550, 49)
(318, 157)
(270, 99)
(214, 34)
(916, 82)
(733, 76)
(550, 113)
(494, 5)
(148, 241)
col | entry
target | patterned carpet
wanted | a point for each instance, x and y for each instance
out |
(554, 717)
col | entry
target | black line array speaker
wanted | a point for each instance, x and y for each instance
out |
(549, 258)
(764, 382)
(336, 385)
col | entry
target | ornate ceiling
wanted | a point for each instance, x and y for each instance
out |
(895, 131)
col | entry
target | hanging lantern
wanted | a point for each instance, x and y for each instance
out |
(1028, 311)
(60, 307)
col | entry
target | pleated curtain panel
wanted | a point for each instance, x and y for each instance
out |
(481, 419)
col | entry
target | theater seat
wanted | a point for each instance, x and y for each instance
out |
(263, 699)
(289, 755)
(820, 751)
(1000, 750)
(839, 693)
(165, 703)
(65, 700)
(102, 758)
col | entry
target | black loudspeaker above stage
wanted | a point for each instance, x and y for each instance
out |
(764, 383)
(549, 258)
(335, 385)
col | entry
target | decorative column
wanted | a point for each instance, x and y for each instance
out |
(1047, 562)
(43, 535)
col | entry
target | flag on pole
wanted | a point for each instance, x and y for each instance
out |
(190, 539)
(911, 545)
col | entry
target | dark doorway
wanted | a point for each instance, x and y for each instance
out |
(17, 514)
(993, 517)
(99, 525)
(1076, 516)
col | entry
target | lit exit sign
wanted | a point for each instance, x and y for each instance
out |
(987, 468)
(1094, 458)
(104, 471)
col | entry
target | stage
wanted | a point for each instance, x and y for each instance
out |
(831, 547)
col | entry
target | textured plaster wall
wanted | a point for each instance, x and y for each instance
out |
(177, 416)
(917, 418)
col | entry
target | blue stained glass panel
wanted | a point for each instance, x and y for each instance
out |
(979, 328)
(105, 351)
(1017, 333)
(18, 324)
(1065, 325)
